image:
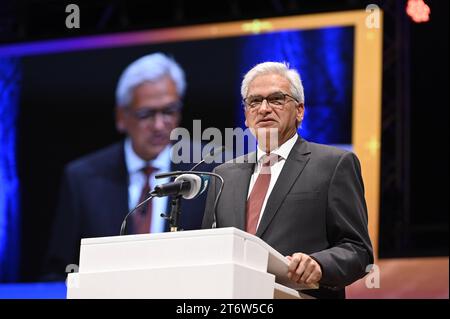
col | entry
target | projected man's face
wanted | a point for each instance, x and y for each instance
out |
(154, 112)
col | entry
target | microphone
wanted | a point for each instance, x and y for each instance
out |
(205, 183)
(194, 193)
(188, 186)
(199, 184)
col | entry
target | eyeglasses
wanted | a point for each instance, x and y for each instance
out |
(275, 100)
(168, 112)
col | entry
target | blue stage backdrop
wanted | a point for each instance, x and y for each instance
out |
(10, 76)
(324, 58)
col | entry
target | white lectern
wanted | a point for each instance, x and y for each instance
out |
(212, 263)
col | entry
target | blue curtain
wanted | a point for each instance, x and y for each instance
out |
(9, 182)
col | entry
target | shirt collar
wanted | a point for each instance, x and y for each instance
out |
(283, 150)
(134, 163)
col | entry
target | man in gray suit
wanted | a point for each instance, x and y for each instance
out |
(306, 200)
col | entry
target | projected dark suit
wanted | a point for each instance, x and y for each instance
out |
(93, 203)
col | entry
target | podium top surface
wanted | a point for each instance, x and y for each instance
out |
(179, 234)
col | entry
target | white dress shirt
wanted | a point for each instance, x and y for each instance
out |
(136, 182)
(275, 170)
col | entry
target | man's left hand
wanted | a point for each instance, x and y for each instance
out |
(303, 269)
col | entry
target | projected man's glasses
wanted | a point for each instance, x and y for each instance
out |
(275, 100)
(147, 113)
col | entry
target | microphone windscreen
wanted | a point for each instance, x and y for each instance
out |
(196, 184)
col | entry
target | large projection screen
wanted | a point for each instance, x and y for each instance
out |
(354, 124)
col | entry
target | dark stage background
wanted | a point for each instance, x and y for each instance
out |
(67, 100)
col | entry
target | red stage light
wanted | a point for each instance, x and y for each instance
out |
(418, 10)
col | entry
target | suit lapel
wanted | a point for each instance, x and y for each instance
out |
(242, 174)
(295, 163)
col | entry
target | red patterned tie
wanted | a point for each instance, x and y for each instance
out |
(256, 199)
(143, 217)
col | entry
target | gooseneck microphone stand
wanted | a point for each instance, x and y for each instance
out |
(123, 227)
(175, 212)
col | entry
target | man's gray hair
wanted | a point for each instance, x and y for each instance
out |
(148, 68)
(275, 68)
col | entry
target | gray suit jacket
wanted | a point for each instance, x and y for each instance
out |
(316, 207)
